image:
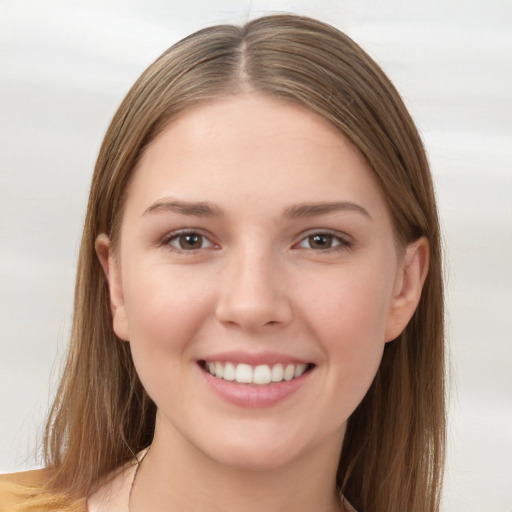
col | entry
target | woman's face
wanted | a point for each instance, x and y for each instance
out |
(256, 280)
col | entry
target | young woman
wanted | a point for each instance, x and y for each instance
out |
(258, 311)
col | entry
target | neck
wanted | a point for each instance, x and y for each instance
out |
(177, 476)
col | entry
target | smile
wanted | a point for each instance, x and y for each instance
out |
(261, 375)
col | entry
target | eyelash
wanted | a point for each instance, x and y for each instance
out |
(343, 243)
(175, 235)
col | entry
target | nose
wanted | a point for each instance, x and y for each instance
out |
(253, 293)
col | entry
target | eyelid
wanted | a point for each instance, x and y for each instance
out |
(168, 237)
(345, 241)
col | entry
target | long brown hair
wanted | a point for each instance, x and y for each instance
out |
(393, 452)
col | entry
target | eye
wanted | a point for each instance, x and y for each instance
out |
(188, 241)
(324, 241)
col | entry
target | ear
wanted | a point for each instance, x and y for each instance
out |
(407, 288)
(112, 269)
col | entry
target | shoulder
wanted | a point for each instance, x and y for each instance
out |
(25, 492)
(17, 488)
(34, 478)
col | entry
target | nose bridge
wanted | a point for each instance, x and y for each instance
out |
(253, 295)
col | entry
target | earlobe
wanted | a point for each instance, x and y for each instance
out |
(408, 286)
(111, 267)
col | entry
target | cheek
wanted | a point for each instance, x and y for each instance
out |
(165, 312)
(347, 314)
(352, 306)
(164, 309)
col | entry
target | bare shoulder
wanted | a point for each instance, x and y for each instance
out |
(113, 493)
(25, 492)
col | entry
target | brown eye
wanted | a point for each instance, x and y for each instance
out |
(320, 241)
(189, 241)
(324, 241)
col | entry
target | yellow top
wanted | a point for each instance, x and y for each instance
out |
(24, 492)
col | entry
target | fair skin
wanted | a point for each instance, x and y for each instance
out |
(254, 234)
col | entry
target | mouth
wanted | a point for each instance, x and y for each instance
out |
(259, 375)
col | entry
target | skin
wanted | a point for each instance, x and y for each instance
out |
(257, 282)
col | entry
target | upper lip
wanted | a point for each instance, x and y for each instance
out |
(253, 359)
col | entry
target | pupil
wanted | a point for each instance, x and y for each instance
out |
(321, 241)
(192, 241)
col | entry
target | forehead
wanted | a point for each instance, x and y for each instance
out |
(252, 150)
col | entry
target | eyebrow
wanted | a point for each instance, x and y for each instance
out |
(196, 209)
(205, 209)
(314, 209)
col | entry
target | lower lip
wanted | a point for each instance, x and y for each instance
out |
(253, 395)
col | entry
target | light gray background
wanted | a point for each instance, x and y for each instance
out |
(64, 68)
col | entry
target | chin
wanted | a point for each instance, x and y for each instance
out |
(255, 457)
(264, 447)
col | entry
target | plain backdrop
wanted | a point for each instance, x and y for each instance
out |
(66, 65)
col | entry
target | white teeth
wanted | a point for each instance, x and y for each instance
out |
(243, 374)
(299, 370)
(261, 375)
(229, 371)
(289, 371)
(277, 373)
(211, 368)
